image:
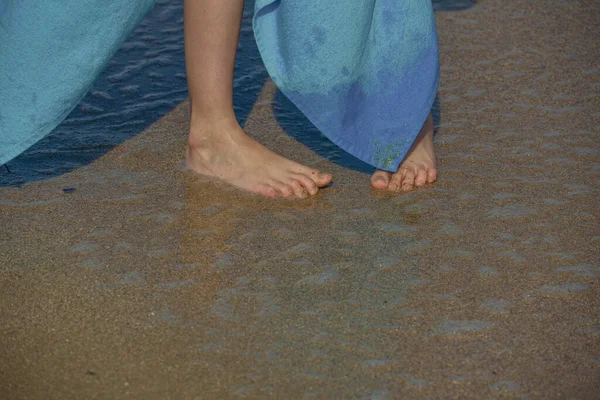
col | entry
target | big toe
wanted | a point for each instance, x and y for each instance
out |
(321, 179)
(380, 179)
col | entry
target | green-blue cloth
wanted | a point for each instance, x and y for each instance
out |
(51, 51)
(364, 72)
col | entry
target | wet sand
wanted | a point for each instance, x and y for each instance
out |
(130, 278)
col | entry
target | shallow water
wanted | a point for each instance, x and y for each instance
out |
(144, 81)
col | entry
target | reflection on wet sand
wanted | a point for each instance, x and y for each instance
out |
(142, 280)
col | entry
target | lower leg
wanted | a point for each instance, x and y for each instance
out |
(212, 30)
(217, 145)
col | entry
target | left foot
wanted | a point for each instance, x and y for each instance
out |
(418, 167)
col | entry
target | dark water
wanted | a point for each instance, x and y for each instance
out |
(144, 81)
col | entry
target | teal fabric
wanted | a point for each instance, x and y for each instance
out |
(51, 51)
(364, 72)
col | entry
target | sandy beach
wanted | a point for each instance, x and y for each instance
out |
(132, 278)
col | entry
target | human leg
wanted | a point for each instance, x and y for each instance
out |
(217, 145)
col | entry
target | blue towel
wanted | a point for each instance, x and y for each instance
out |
(51, 51)
(364, 72)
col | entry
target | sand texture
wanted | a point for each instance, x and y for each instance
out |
(131, 278)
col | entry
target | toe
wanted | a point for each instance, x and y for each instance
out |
(265, 190)
(408, 182)
(421, 177)
(298, 189)
(431, 175)
(322, 179)
(319, 178)
(396, 180)
(309, 184)
(380, 179)
(283, 189)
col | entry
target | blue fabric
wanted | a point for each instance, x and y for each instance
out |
(51, 51)
(364, 72)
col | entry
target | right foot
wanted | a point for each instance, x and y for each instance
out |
(223, 150)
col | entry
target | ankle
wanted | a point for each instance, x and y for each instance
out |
(208, 116)
(204, 130)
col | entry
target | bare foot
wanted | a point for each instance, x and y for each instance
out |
(417, 169)
(223, 150)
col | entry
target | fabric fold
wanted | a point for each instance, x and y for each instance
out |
(365, 73)
(51, 51)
